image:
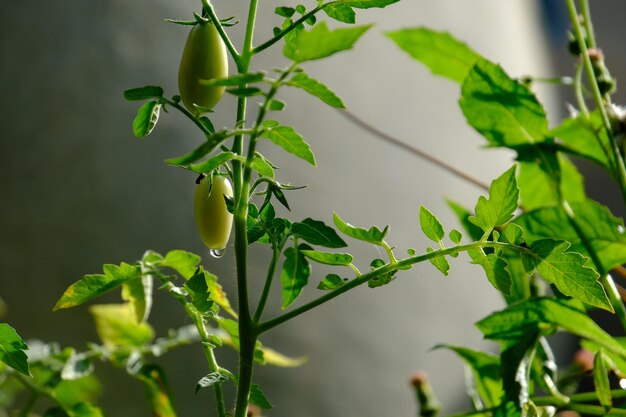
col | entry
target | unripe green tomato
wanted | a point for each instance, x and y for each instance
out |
(204, 58)
(213, 219)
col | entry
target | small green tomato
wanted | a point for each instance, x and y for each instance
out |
(213, 219)
(204, 58)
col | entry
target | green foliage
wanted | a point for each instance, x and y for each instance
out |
(288, 139)
(146, 119)
(316, 88)
(12, 349)
(92, 286)
(116, 326)
(331, 282)
(320, 42)
(502, 203)
(295, 274)
(372, 235)
(439, 51)
(316, 232)
(431, 226)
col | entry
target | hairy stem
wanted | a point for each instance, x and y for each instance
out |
(208, 7)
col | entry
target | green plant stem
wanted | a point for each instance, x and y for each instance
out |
(30, 403)
(620, 171)
(188, 114)
(210, 357)
(265, 326)
(605, 278)
(271, 271)
(578, 90)
(288, 29)
(247, 43)
(208, 7)
(591, 37)
(594, 410)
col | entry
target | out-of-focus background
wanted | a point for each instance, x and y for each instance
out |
(78, 190)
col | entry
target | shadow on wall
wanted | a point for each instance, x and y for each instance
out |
(80, 191)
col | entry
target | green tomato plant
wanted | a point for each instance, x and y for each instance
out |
(548, 249)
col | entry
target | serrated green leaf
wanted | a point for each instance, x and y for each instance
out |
(601, 380)
(372, 235)
(212, 163)
(486, 371)
(92, 286)
(439, 51)
(328, 258)
(245, 91)
(602, 229)
(288, 139)
(331, 282)
(294, 276)
(217, 293)
(430, 225)
(495, 268)
(316, 232)
(440, 262)
(503, 110)
(502, 202)
(316, 88)
(12, 349)
(548, 314)
(181, 261)
(146, 119)
(320, 42)
(211, 143)
(116, 326)
(341, 12)
(199, 291)
(143, 93)
(567, 271)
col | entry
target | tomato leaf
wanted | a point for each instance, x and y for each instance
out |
(328, 258)
(138, 292)
(288, 139)
(567, 271)
(143, 93)
(486, 371)
(210, 380)
(12, 349)
(262, 166)
(316, 232)
(341, 12)
(212, 163)
(295, 274)
(92, 286)
(550, 315)
(331, 282)
(430, 225)
(586, 137)
(236, 79)
(601, 379)
(455, 236)
(199, 291)
(503, 110)
(367, 4)
(146, 119)
(373, 235)
(495, 268)
(206, 148)
(440, 262)
(181, 261)
(116, 326)
(316, 88)
(502, 202)
(604, 231)
(439, 51)
(258, 397)
(321, 42)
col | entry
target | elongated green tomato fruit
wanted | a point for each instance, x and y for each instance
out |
(213, 219)
(204, 58)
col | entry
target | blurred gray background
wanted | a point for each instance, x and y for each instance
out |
(78, 190)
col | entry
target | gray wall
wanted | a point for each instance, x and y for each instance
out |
(79, 191)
